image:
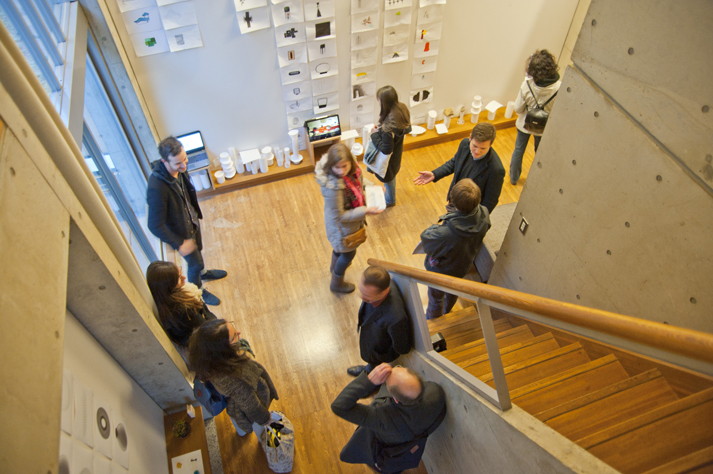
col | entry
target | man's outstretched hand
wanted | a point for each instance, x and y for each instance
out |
(380, 373)
(424, 177)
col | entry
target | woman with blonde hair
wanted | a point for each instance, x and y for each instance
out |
(388, 137)
(180, 307)
(345, 211)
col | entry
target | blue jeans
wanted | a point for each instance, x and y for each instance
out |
(195, 260)
(343, 262)
(518, 153)
(436, 299)
(390, 191)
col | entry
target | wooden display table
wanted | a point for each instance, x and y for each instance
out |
(193, 442)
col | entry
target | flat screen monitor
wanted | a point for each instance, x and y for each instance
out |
(323, 127)
(192, 142)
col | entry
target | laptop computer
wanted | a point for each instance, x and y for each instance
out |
(195, 149)
(323, 127)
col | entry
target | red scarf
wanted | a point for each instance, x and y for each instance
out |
(354, 192)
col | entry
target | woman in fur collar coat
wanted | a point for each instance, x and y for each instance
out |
(345, 211)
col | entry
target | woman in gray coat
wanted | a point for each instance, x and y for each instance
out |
(214, 354)
(345, 210)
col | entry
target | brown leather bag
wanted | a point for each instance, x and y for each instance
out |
(354, 240)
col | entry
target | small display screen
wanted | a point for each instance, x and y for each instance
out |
(323, 127)
(192, 142)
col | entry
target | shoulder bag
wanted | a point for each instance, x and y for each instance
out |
(537, 117)
(376, 161)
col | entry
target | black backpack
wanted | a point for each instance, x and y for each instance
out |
(536, 118)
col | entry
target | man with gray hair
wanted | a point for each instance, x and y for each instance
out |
(405, 411)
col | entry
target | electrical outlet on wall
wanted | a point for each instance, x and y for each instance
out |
(523, 226)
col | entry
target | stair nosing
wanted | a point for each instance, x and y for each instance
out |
(692, 401)
(514, 347)
(511, 369)
(481, 341)
(562, 376)
(602, 393)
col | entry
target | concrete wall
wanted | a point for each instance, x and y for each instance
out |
(230, 88)
(477, 437)
(87, 361)
(619, 196)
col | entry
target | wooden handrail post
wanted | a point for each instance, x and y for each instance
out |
(496, 362)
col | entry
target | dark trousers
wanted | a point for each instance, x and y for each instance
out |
(343, 262)
(436, 300)
(195, 259)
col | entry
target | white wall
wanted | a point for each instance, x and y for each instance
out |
(88, 362)
(230, 88)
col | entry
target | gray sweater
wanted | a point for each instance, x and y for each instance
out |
(249, 390)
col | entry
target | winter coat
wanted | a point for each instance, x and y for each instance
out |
(452, 245)
(338, 220)
(249, 390)
(385, 330)
(169, 219)
(525, 99)
(390, 142)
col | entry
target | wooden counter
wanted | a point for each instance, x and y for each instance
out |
(193, 442)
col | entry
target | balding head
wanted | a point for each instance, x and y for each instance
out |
(405, 385)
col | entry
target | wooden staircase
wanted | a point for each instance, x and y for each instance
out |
(635, 414)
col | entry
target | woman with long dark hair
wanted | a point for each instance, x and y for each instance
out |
(215, 354)
(345, 208)
(180, 307)
(388, 137)
(540, 85)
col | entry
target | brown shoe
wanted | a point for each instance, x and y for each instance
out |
(338, 285)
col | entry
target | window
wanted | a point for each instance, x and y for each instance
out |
(107, 151)
(40, 31)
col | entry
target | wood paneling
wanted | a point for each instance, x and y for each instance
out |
(272, 242)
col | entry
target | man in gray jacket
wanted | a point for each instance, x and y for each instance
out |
(452, 244)
(404, 409)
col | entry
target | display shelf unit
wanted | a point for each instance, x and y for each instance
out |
(247, 179)
(316, 149)
(195, 441)
(457, 132)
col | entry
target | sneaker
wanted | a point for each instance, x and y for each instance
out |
(209, 298)
(356, 370)
(214, 275)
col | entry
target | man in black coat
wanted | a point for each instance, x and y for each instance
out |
(452, 245)
(174, 213)
(384, 326)
(403, 410)
(475, 159)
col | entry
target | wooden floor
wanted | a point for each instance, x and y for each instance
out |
(272, 242)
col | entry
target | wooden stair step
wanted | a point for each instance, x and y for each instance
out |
(694, 463)
(466, 333)
(542, 366)
(609, 406)
(657, 437)
(476, 348)
(452, 319)
(569, 385)
(513, 354)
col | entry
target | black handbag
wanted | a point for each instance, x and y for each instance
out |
(403, 456)
(537, 117)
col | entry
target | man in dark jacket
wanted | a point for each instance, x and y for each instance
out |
(174, 214)
(384, 327)
(452, 245)
(404, 409)
(475, 159)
